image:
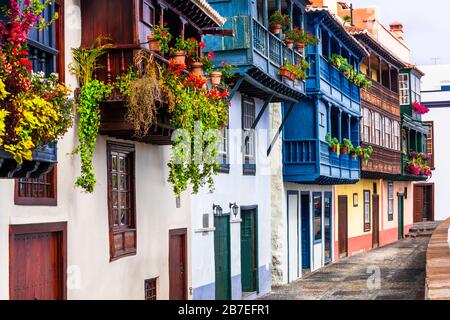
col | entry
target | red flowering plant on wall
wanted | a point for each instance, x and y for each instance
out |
(34, 110)
(198, 112)
(420, 109)
(418, 164)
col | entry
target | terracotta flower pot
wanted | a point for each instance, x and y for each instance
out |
(353, 155)
(197, 68)
(290, 43)
(361, 155)
(344, 150)
(153, 44)
(216, 77)
(285, 73)
(276, 28)
(179, 57)
(334, 148)
(300, 47)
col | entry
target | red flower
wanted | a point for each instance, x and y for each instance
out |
(224, 94)
(202, 45)
(26, 63)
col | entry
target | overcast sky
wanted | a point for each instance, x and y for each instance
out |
(426, 23)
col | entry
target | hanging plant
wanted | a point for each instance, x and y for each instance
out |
(143, 90)
(88, 109)
(91, 94)
(34, 110)
(198, 113)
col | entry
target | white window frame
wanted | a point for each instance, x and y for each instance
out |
(405, 94)
(390, 201)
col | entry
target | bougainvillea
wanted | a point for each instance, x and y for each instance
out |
(34, 110)
(420, 109)
(418, 164)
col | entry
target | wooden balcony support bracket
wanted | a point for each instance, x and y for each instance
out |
(280, 129)
(236, 88)
(261, 112)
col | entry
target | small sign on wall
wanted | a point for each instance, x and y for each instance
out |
(355, 200)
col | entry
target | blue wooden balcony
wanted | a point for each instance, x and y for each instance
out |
(311, 161)
(257, 55)
(44, 159)
(333, 85)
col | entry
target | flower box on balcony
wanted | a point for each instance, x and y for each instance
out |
(44, 158)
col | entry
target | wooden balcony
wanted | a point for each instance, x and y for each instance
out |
(381, 97)
(113, 111)
(384, 163)
(44, 159)
(311, 161)
(258, 56)
(333, 84)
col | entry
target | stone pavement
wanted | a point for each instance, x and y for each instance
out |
(401, 267)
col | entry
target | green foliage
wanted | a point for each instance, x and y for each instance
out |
(349, 72)
(188, 46)
(85, 59)
(298, 71)
(300, 36)
(278, 18)
(197, 115)
(91, 95)
(163, 36)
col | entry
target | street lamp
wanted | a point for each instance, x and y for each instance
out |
(234, 209)
(217, 210)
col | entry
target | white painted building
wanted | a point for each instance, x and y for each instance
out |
(436, 96)
(73, 236)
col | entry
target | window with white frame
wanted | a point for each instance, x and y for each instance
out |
(248, 118)
(396, 135)
(377, 136)
(367, 125)
(390, 201)
(388, 133)
(223, 148)
(404, 89)
(415, 89)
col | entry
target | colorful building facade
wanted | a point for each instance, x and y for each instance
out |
(235, 260)
(303, 239)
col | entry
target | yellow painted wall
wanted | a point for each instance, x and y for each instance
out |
(355, 214)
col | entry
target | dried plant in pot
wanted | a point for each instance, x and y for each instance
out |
(143, 90)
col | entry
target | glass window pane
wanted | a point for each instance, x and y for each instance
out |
(317, 217)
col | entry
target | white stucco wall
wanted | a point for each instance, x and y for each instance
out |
(234, 187)
(435, 76)
(91, 275)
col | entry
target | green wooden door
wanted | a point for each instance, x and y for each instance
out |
(222, 257)
(248, 251)
(401, 207)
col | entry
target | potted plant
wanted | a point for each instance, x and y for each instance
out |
(278, 21)
(333, 144)
(183, 48)
(366, 154)
(159, 39)
(301, 38)
(347, 147)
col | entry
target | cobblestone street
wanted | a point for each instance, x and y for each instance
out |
(401, 266)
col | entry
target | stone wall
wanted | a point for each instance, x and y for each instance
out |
(437, 285)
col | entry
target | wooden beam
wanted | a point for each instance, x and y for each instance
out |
(261, 112)
(280, 129)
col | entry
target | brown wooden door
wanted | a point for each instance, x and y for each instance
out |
(343, 226)
(38, 262)
(178, 265)
(376, 221)
(418, 203)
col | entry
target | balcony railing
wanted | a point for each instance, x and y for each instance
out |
(300, 163)
(334, 78)
(272, 47)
